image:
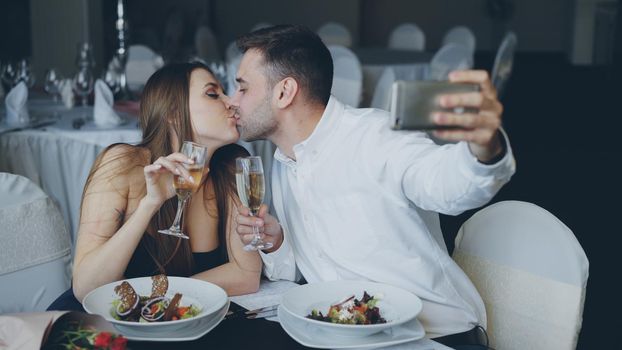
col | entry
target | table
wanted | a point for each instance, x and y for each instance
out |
(58, 157)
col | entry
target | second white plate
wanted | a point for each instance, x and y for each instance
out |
(309, 335)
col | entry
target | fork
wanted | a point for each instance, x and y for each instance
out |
(263, 312)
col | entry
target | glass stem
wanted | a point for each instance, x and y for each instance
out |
(181, 203)
(256, 236)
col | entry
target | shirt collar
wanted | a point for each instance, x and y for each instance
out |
(316, 141)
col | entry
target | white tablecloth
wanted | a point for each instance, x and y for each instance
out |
(58, 157)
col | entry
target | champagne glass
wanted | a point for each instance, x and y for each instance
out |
(251, 189)
(184, 188)
(52, 83)
(83, 84)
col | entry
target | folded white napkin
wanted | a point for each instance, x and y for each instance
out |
(16, 108)
(103, 113)
(66, 93)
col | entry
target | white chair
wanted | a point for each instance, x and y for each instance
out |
(142, 62)
(347, 75)
(232, 52)
(35, 253)
(382, 92)
(460, 35)
(333, 33)
(261, 25)
(531, 273)
(450, 57)
(206, 45)
(407, 36)
(504, 61)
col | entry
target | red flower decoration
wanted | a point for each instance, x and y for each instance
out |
(118, 343)
(102, 340)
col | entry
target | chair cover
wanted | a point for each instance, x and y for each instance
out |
(261, 25)
(347, 77)
(206, 45)
(35, 253)
(504, 61)
(333, 33)
(142, 62)
(407, 36)
(531, 273)
(460, 35)
(448, 58)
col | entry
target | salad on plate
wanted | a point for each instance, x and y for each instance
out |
(352, 311)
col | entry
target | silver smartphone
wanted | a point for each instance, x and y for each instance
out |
(413, 102)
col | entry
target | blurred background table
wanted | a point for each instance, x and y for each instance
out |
(57, 154)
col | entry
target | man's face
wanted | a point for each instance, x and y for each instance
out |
(253, 99)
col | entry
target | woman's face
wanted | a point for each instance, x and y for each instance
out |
(213, 121)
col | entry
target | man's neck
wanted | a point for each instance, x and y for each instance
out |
(296, 125)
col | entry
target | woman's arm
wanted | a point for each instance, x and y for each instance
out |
(242, 273)
(106, 238)
(105, 243)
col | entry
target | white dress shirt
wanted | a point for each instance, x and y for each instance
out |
(360, 202)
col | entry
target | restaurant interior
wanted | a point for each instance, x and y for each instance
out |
(565, 76)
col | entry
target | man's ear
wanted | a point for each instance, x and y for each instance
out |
(285, 91)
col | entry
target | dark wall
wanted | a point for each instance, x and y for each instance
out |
(15, 30)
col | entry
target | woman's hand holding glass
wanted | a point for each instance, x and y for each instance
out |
(159, 177)
(186, 169)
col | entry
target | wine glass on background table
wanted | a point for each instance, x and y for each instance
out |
(249, 179)
(51, 84)
(82, 84)
(183, 188)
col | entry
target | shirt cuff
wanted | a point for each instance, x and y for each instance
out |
(279, 264)
(504, 168)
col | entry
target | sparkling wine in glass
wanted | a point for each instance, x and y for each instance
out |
(184, 188)
(250, 184)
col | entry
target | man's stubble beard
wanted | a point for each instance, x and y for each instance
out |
(260, 124)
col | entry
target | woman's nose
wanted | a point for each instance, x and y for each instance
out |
(230, 102)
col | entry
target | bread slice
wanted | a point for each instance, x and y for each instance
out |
(159, 286)
(128, 296)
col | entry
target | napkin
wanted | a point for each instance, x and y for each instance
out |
(66, 93)
(16, 108)
(103, 113)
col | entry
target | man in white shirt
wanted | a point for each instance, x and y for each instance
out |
(356, 200)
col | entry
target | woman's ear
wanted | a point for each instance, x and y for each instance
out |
(285, 91)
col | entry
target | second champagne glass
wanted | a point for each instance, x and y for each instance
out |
(184, 188)
(251, 189)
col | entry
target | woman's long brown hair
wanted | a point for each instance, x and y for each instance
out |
(164, 108)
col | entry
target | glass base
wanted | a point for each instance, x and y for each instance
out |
(252, 246)
(174, 233)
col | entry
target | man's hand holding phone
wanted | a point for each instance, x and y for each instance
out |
(480, 129)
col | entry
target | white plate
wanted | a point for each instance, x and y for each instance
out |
(185, 334)
(396, 305)
(208, 297)
(308, 335)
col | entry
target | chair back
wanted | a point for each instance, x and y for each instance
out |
(504, 61)
(448, 58)
(142, 62)
(333, 33)
(261, 25)
(460, 35)
(531, 273)
(347, 75)
(407, 36)
(35, 253)
(206, 45)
